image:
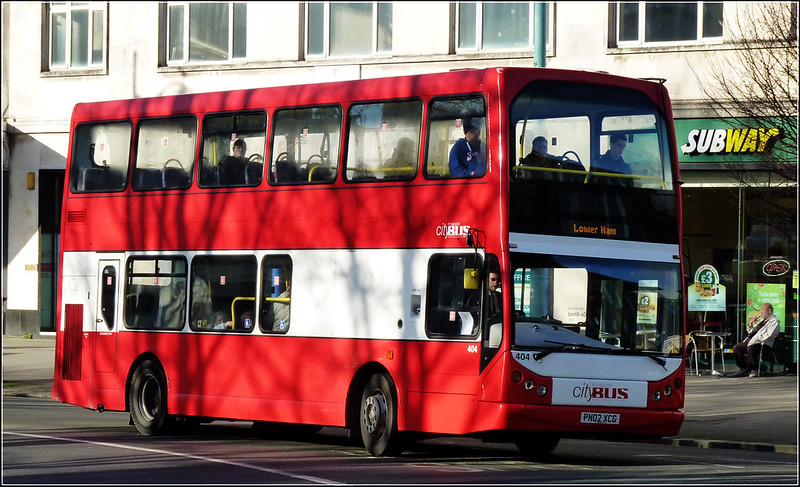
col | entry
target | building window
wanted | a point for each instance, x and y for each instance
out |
(77, 33)
(640, 23)
(199, 32)
(348, 28)
(494, 25)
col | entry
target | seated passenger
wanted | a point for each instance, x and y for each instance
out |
(232, 168)
(612, 160)
(402, 158)
(538, 157)
(219, 321)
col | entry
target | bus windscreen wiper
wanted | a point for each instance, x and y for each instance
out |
(578, 347)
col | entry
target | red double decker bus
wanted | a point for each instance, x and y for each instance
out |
(493, 253)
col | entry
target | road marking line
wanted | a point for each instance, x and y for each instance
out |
(307, 478)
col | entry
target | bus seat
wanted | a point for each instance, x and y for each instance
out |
(94, 178)
(146, 310)
(148, 178)
(286, 172)
(253, 172)
(174, 177)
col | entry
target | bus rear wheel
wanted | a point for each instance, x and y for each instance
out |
(378, 417)
(148, 398)
(535, 446)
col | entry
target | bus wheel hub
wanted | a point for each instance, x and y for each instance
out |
(374, 413)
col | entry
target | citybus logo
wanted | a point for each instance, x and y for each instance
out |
(452, 230)
(775, 268)
(588, 392)
(730, 141)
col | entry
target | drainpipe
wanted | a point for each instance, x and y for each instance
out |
(540, 34)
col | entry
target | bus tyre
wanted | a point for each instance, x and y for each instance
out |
(535, 445)
(378, 416)
(148, 398)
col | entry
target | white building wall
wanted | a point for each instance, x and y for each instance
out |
(37, 106)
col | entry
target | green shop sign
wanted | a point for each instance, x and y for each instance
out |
(728, 140)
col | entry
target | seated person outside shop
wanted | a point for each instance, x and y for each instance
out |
(761, 332)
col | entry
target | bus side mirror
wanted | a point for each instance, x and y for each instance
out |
(471, 279)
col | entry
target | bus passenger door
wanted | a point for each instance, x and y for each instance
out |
(105, 322)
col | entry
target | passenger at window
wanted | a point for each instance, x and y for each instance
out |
(402, 157)
(538, 157)
(172, 314)
(612, 160)
(232, 168)
(219, 321)
(465, 156)
(201, 302)
(280, 317)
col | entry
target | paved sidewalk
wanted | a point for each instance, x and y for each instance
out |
(721, 412)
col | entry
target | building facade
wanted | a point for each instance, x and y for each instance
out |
(56, 54)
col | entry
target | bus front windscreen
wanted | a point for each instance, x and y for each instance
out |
(597, 304)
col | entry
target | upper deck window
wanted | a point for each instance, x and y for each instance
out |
(642, 23)
(336, 29)
(200, 32)
(233, 149)
(305, 145)
(383, 140)
(456, 138)
(77, 33)
(165, 153)
(100, 156)
(575, 133)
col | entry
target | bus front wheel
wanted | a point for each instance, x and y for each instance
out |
(378, 416)
(148, 398)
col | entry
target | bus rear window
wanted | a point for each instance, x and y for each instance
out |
(100, 157)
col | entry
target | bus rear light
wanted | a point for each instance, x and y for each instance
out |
(516, 376)
(529, 385)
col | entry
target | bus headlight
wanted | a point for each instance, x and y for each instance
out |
(541, 390)
(529, 385)
(668, 390)
(516, 376)
(657, 396)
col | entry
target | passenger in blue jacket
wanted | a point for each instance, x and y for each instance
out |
(465, 156)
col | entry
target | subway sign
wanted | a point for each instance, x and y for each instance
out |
(730, 141)
(713, 140)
